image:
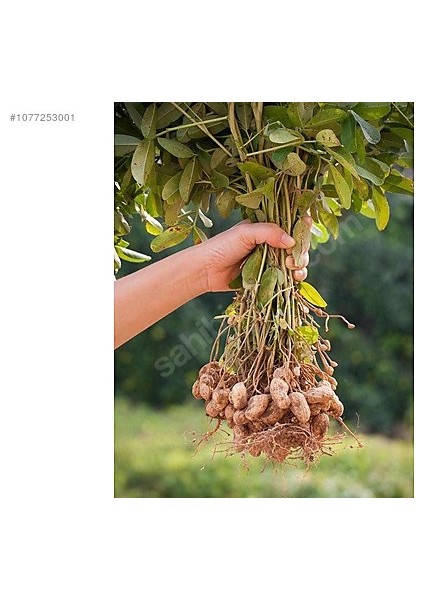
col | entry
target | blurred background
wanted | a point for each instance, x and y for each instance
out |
(365, 275)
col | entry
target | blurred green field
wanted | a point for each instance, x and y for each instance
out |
(155, 458)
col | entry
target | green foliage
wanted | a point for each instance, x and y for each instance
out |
(311, 294)
(155, 457)
(171, 155)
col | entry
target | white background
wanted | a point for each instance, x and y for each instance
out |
(63, 535)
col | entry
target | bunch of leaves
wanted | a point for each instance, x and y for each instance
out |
(174, 159)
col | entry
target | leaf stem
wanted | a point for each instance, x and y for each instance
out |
(403, 114)
(202, 128)
(269, 149)
(187, 125)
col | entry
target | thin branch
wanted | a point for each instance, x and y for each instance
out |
(203, 128)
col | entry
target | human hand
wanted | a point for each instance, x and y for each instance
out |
(223, 255)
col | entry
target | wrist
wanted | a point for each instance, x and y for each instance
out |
(196, 271)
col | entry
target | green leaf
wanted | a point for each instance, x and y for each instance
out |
(188, 178)
(311, 294)
(329, 190)
(368, 210)
(267, 189)
(283, 136)
(154, 204)
(279, 156)
(300, 112)
(331, 222)
(371, 133)
(124, 144)
(131, 255)
(361, 187)
(320, 234)
(220, 108)
(175, 148)
(256, 170)
(251, 268)
(199, 236)
(225, 202)
(148, 122)
(373, 170)
(171, 187)
(406, 160)
(348, 137)
(218, 159)
(236, 283)
(333, 206)
(308, 333)
(293, 165)
(360, 144)
(267, 286)
(302, 235)
(277, 113)
(381, 207)
(152, 225)
(143, 161)
(327, 137)
(345, 159)
(251, 200)
(135, 110)
(326, 116)
(172, 212)
(342, 187)
(305, 201)
(204, 159)
(120, 223)
(218, 180)
(373, 110)
(201, 196)
(170, 237)
(166, 114)
(343, 105)
(405, 133)
(391, 143)
(356, 202)
(398, 184)
(348, 178)
(153, 229)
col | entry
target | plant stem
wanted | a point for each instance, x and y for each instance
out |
(202, 128)
(187, 125)
(257, 111)
(268, 150)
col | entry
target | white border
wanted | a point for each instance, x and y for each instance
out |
(63, 534)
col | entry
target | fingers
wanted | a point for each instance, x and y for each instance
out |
(258, 233)
(308, 220)
(252, 234)
(303, 262)
(300, 274)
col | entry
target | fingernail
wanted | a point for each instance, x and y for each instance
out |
(287, 240)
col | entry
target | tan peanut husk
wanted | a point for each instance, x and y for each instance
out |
(299, 407)
(257, 406)
(238, 395)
